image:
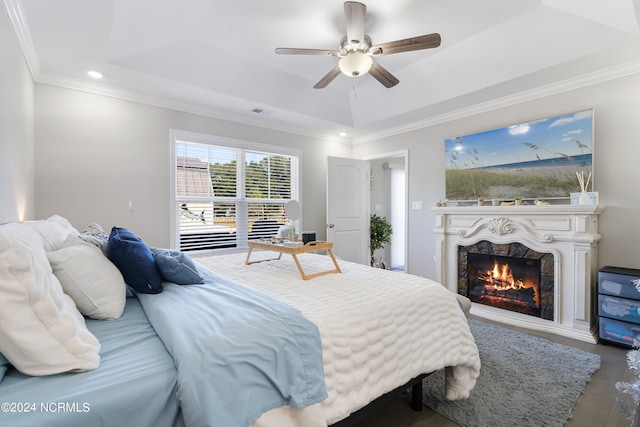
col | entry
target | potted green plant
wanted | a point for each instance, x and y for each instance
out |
(518, 200)
(380, 234)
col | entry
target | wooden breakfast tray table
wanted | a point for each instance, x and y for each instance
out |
(294, 251)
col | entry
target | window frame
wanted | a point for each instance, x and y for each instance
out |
(241, 200)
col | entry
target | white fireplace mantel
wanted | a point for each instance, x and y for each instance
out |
(569, 232)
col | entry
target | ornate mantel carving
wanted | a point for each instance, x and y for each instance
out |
(500, 225)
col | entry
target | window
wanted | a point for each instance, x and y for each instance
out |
(228, 192)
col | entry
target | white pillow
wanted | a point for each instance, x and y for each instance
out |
(41, 330)
(90, 279)
(53, 230)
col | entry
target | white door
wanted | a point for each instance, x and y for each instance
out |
(348, 208)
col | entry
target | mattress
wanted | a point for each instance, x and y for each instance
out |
(133, 362)
(378, 328)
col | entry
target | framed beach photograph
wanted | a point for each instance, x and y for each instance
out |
(539, 159)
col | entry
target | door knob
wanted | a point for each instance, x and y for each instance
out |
(331, 225)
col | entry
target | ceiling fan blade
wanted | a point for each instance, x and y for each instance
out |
(296, 51)
(354, 16)
(382, 75)
(328, 78)
(427, 41)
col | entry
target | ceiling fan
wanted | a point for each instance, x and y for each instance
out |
(356, 50)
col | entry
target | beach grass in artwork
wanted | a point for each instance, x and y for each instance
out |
(534, 160)
(549, 182)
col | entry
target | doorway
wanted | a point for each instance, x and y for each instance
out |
(389, 189)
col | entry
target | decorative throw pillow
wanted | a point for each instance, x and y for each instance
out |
(4, 365)
(176, 267)
(41, 330)
(135, 261)
(53, 230)
(89, 278)
(95, 235)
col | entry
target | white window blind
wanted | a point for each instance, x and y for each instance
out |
(226, 196)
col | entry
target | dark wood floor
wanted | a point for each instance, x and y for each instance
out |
(596, 407)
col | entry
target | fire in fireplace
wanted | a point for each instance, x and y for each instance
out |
(504, 282)
(509, 276)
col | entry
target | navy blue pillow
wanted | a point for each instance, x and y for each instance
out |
(134, 260)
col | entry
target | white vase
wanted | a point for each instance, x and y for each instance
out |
(583, 199)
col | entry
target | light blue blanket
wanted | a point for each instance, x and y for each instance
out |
(239, 352)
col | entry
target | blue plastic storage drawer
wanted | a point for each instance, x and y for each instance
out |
(614, 281)
(619, 308)
(620, 332)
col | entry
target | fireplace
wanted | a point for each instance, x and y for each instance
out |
(510, 277)
(561, 238)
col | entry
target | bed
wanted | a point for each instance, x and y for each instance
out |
(186, 354)
(99, 397)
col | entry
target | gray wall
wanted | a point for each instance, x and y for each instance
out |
(616, 165)
(95, 153)
(16, 129)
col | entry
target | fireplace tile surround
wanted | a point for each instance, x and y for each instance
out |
(568, 232)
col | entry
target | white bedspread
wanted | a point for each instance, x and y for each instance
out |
(378, 328)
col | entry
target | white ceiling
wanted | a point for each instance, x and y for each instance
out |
(217, 58)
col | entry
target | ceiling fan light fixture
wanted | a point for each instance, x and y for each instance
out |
(357, 51)
(355, 64)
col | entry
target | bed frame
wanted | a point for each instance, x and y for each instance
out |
(361, 414)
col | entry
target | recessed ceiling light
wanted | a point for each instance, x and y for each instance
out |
(94, 74)
(342, 134)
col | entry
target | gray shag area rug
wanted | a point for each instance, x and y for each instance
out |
(524, 381)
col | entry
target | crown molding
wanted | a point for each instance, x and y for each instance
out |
(15, 13)
(585, 80)
(578, 82)
(177, 105)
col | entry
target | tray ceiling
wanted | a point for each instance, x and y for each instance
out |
(217, 58)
